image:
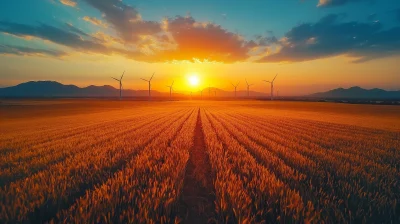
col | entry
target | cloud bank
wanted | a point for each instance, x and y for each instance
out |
(329, 37)
(21, 51)
(184, 38)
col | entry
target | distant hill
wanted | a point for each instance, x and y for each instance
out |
(357, 93)
(55, 89)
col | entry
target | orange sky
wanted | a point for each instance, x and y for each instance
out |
(293, 79)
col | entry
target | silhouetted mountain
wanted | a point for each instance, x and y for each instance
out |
(55, 89)
(357, 93)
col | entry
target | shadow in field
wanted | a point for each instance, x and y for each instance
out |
(197, 200)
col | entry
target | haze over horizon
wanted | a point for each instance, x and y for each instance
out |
(313, 45)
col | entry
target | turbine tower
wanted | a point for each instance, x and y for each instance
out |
(272, 86)
(248, 88)
(170, 89)
(120, 84)
(149, 81)
(235, 87)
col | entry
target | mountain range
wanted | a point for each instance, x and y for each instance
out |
(357, 92)
(55, 89)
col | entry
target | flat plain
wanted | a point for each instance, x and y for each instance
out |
(104, 161)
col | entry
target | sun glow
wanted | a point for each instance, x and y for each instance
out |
(193, 80)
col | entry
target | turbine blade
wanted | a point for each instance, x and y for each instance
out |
(145, 80)
(122, 75)
(115, 79)
(275, 77)
(152, 76)
(246, 81)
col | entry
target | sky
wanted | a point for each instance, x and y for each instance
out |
(313, 45)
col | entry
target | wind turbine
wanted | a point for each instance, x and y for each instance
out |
(248, 88)
(149, 81)
(170, 89)
(120, 84)
(209, 90)
(235, 87)
(272, 86)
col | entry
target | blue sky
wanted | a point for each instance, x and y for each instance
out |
(154, 32)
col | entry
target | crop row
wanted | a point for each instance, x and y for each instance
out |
(345, 187)
(146, 190)
(40, 196)
(246, 191)
(23, 163)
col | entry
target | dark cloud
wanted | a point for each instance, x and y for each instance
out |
(125, 19)
(71, 28)
(18, 50)
(266, 40)
(329, 37)
(71, 37)
(331, 3)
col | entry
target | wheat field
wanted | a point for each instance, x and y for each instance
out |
(93, 161)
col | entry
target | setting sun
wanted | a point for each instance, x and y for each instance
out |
(193, 80)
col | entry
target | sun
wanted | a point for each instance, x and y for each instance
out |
(193, 80)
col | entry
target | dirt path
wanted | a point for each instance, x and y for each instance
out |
(197, 202)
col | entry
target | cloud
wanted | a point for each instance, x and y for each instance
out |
(329, 37)
(179, 38)
(185, 39)
(204, 41)
(71, 37)
(125, 19)
(70, 3)
(95, 21)
(331, 3)
(107, 39)
(20, 51)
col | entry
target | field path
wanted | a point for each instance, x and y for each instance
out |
(197, 201)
